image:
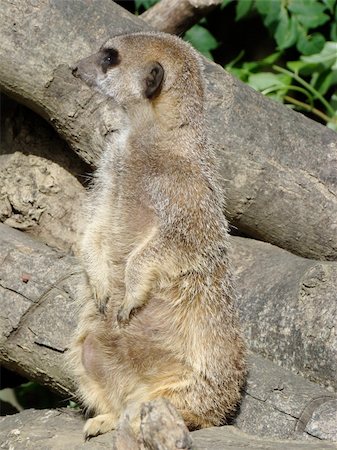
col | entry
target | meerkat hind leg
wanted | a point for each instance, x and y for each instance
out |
(99, 425)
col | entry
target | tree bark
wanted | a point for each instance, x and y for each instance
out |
(60, 429)
(177, 16)
(41, 179)
(288, 308)
(279, 168)
(38, 316)
(162, 427)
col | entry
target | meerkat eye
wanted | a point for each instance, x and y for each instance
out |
(110, 59)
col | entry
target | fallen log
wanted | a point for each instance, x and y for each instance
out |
(177, 16)
(59, 429)
(288, 308)
(37, 288)
(279, 168)
(38, 315)
(41, 179)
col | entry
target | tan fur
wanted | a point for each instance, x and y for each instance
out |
(157, 314)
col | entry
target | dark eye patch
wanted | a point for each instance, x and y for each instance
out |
(110, 58)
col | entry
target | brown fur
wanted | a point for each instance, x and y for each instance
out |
(157, 316)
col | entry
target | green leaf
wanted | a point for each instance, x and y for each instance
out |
(270, 59)
(325, 81)
(270, 10)
(333, 101)
(296, 66)
(202, 40)
(327, 57)
(333, 125)
(333, 31)
(330, 4)
(225, 3)
(242, 8)
(262, 6)
(265, 80)
(146, 4)
(310, 13)
(238, 73)
(310, 44)
(287, 31)
(235, 60)
(302, 67)
(250, 66)
(73, 405)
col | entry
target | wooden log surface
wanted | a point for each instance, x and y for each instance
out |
(61, 429)
(279, 168)
(177, 16)
(41, 179)
(288, 308)
(38, 315)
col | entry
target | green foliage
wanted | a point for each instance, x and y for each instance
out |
(308, 83)
(33, 395)
(146, 4)
(73, 405)
(291, 21)
(202, 40)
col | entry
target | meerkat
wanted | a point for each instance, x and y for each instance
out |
(157, 317)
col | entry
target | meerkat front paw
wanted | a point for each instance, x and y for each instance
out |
(100, 295)
(99, 425)
(129, 307)
(123, 315)
(101, 302)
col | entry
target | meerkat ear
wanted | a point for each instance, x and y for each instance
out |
(153, 79)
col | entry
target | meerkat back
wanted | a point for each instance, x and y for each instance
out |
(157, 316)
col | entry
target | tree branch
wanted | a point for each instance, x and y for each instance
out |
(177, 16)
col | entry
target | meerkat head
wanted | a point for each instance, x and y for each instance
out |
(138, 66)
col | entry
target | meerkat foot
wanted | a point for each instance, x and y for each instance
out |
(99, 425)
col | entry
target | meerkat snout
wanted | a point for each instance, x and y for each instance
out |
(86, 70)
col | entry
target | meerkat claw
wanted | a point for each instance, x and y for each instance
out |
(102, 307)
(102, 304)
(123, 316)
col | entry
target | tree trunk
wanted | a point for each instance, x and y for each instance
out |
(279, 168)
